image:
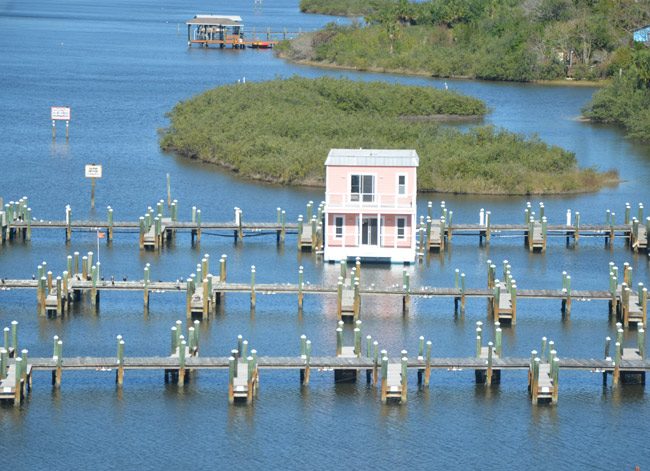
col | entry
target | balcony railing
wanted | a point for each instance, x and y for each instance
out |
(369, 200)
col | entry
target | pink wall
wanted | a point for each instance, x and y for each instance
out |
(351, 232)
(338, 182)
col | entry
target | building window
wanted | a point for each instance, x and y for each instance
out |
(362, 188)
(401, 228)
(338, 227)
(401, 184)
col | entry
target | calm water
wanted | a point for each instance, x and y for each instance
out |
(121, 66)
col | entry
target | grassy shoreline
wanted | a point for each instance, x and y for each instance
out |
(420, 73)
(281, 131)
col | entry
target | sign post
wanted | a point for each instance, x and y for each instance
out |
(60, 113)
(93, 171)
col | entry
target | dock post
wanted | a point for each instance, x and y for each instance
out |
(488, 378)
(14, 337)
(357, 299)
(181, 363)
(119, 378)
(427, 364)
(306, 375)
(143, 229)
(384, 377)
(284, 226)
(300, 287)
(232, 366)
(253, 295)
(59, 297)
(4, 362)
(278, 231)
(58, 357)
(28, 220)
(617, 365)
(189, 292)
(498, 337)
(109, 238)
(513, 300)
(250, 379)
(357, 341)
(19, 382)
(628, 208)
(488, 222)
(576, 227)
(205, 309)
(339, 341)
(339, 298)
(643, 300)
(69, 265)
(198, 227)
(93, 289)
(462, 293)
(375, 362)
(68, 223)
(555, 376)
(641, 342)
(41, 295)
(146, 281)
(300, 227)
(406, 297)
(404, 377)
(535, 382)
(544, 233)
(76, 263)
(240, 229)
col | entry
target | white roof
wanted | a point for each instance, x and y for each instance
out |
(373, 157)
(225, 20)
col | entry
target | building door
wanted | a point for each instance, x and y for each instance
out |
(369, 231)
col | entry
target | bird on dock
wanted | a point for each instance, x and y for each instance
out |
(33, 278)
(112, 280)
(124, 278)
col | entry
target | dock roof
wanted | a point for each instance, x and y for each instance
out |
(222, 20)
(373, 157)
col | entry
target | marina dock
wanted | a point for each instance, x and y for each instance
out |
(158, 227)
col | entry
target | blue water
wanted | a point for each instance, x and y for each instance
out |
(121, 66)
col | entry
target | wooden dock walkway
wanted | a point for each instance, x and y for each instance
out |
(500, 302)
(435, 234)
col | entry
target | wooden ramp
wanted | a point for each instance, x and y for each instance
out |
(14, 389)
(640, 240)
(346, 375)
(545, 387)
(436, 240)
(505, 305)
(306, 238)
(394, 385)
(488, 375)
(536, 237)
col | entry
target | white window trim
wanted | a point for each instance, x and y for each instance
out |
(397, 219)
(406, 184)
(342, 236)
(375, 182)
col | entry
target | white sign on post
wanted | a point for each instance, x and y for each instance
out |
(93, 171)
(60, 113)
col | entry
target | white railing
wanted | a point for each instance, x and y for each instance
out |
(369, 200)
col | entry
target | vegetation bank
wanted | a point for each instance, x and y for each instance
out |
(517, 40)
(281, 131)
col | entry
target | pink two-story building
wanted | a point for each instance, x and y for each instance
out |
(371, 209)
